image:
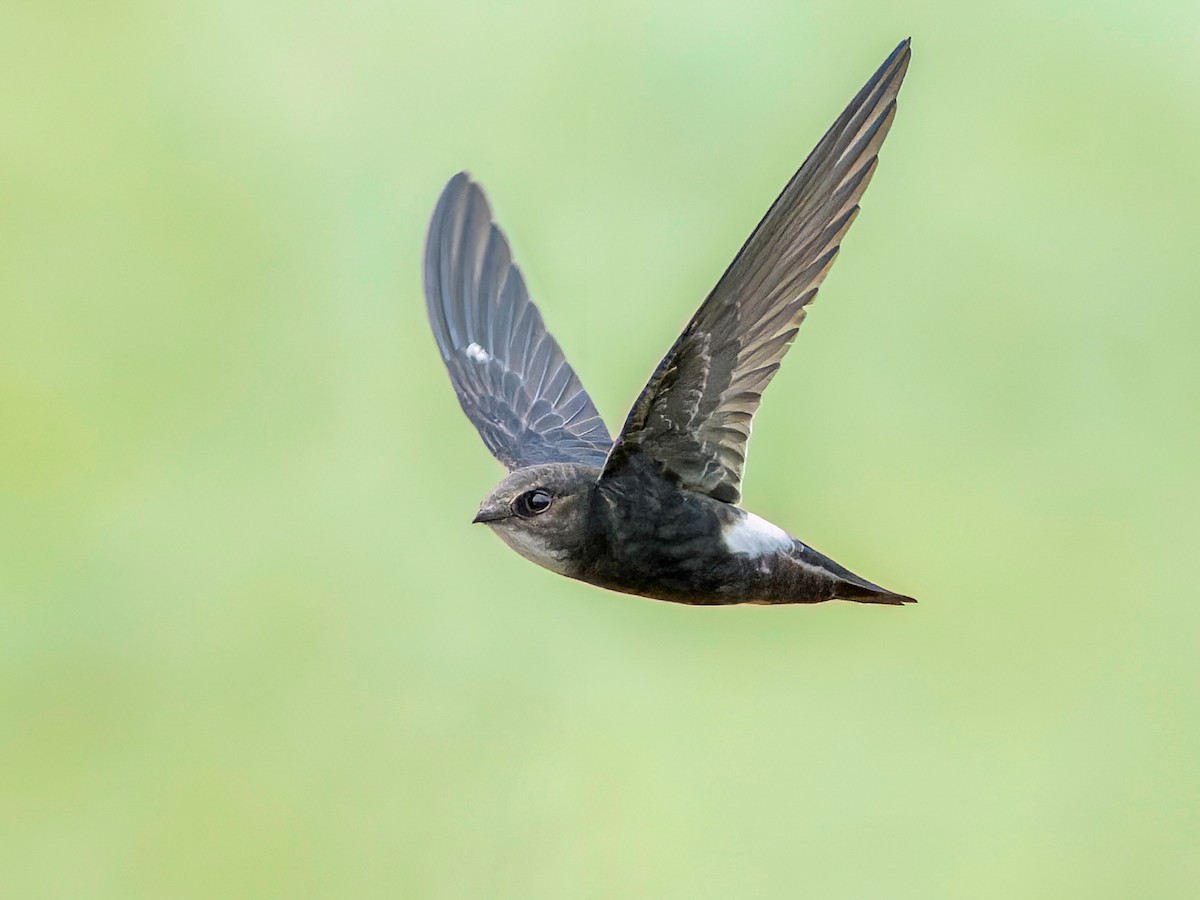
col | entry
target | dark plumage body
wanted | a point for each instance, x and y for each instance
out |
(638, 533)
(655, 511)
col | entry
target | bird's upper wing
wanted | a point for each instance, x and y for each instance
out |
(511, 378)
(694, 416)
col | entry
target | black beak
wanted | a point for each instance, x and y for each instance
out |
(491, 514)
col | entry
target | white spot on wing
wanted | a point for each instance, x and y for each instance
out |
(477, 353)
(754, 536)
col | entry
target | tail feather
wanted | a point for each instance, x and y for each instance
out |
(847, 585)
(863, 594)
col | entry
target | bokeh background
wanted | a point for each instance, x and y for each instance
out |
(250, 644)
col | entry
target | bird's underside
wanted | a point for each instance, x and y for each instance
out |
(654, 511)
(657, 541)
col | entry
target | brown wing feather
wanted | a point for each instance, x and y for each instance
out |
(695, 415)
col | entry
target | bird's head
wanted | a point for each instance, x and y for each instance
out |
(542, 512)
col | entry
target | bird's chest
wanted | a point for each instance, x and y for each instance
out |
(658, 541)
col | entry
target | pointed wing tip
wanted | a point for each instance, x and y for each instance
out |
(459, 184)
(898, 59)
(905, 57)
(462, 190)
(890, 73)
(454, 186)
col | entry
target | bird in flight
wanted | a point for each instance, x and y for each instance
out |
(654, 512)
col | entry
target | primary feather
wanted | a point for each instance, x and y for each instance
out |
(511, 377)
(694, 417)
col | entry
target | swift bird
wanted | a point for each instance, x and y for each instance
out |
(654, 512)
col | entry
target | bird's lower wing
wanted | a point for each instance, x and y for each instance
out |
(511, 378)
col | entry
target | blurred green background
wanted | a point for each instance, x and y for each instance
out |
(250, 644)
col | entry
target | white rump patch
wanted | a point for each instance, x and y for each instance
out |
(754, 536)
(477, 353)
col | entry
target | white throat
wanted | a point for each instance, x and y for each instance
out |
(535, 548)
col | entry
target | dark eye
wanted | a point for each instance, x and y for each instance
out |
(532, 503)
